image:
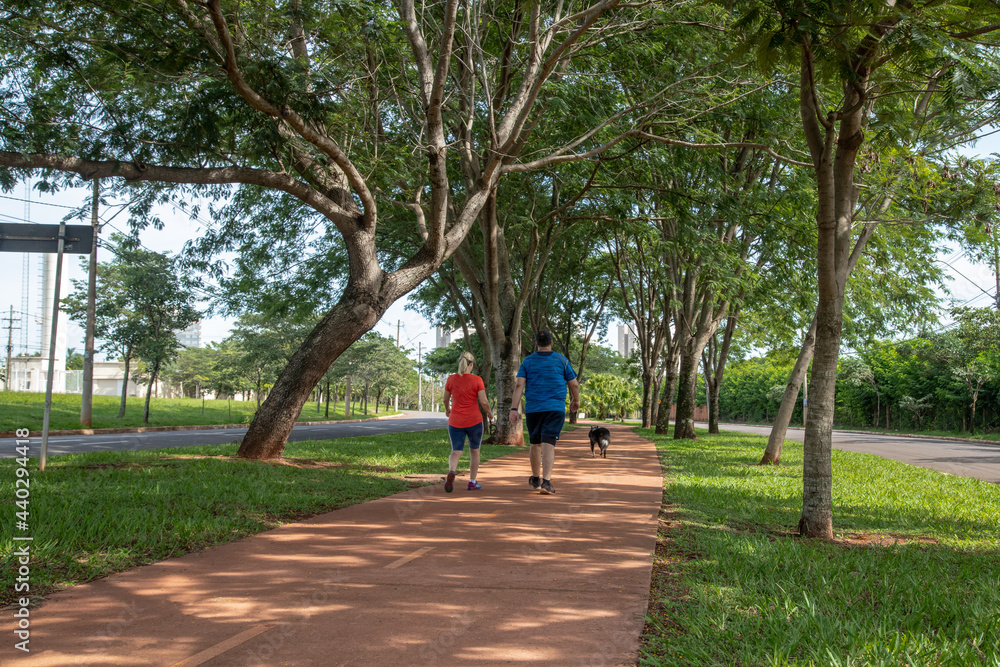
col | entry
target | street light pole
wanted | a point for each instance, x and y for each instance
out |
(87, 397)
(399, 323)
(420, 373)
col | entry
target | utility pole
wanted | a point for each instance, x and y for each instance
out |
(347, 398)
(420, 373)
(10, 346)
(399, 323)
(87, 399)
(996, 262)
(60, 248)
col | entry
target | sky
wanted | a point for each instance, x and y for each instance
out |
(970, 284)
(414, 331)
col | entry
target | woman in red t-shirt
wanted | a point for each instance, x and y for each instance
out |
(464, 393)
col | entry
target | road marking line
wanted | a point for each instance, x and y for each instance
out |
(406, 559)
(220, 648)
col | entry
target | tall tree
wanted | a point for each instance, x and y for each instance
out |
(216, 93)
(853, 58)
(142, 302)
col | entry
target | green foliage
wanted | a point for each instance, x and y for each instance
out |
(142, 301)
(923, 383)
(74, 360)
(444, 360)
(751, 390)
(604, 396)
(257, 350)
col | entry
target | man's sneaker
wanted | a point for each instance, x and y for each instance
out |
(449, 484)
(547, 486)
(535, 482)
(475, 486)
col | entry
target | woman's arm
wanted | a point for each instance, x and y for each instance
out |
(484, 403)
(447, 403)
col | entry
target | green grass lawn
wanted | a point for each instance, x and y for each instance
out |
(26, 410)
(95, 514)
(912, 578)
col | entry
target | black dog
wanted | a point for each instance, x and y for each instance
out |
(601, 437)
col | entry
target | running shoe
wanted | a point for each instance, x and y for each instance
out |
(449, 484)
(475, 486)
(547, 486)
(535, 482)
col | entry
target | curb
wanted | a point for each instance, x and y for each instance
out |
(207, 427)
(916, 436)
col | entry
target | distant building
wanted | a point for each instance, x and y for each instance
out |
(29, 374)
(442, 337)
(626, 339)
(190, 337)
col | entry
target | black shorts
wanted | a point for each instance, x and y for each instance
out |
(544, 426)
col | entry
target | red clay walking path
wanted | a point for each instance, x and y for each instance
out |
(502, 576)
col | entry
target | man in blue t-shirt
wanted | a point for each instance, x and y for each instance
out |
(543, 378)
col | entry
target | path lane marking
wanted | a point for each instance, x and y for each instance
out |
(220, 648)
(406, 559)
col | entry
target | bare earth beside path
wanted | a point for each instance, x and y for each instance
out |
(500, 576)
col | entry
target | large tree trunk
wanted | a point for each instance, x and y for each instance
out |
(648, 396)
(719, 369)
(836, 198)
(687, 385)
(122, 404)
(668, 389)
(506, 376)
(350, 319)
(711, 393)
(149, 392)
(772, 454)
(692, 345)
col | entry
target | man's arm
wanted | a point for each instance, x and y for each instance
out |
(574, 390)
(516, 400)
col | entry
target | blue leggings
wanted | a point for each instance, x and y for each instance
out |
(458, 435)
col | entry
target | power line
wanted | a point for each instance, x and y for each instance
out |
(974, 283)
(35, 201)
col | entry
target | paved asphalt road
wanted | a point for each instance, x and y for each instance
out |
(67, 444)
(965, 459)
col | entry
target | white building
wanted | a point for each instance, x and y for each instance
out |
(29, 374)
(626, 339)
(190, 337)
(443, 336)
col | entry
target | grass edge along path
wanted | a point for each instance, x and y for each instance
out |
(94, 514)
(912, 578)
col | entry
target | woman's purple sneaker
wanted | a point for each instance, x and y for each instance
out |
(475, 486)
(449, 483)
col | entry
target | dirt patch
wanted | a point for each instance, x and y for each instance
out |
(313, 464)
(880, 540)
(116, 466)
(848, 540)
(316, 464)
(666, 579)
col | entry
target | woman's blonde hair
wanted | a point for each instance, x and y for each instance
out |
(465, 362)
